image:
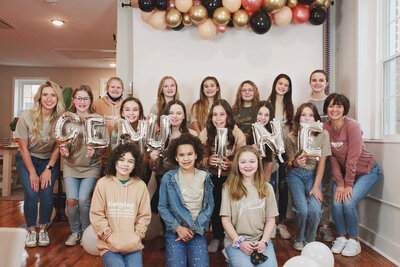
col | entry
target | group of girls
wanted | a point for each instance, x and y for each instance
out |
(190, 193)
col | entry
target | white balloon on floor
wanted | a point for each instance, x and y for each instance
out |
(301, 261)
(320, 253)
(89, 241)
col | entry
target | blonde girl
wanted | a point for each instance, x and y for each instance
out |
(167, 91)
(248, 211)
(37, 159)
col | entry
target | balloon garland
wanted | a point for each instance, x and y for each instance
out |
(212, 16)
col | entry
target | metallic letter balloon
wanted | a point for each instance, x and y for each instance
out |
(173, 17)
(127, 133)
(220, 146)
(165, 130)
(307, 139)
(273, 140)
(71, 132)
(93, 136)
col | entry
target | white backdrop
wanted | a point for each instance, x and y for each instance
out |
(232, 57)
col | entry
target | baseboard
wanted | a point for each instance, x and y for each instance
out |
(380, 244)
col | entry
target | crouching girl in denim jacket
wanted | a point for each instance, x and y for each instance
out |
(186, 204)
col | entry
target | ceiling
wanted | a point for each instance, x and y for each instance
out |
(85, 40)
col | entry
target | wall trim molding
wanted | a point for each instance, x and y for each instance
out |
(380, 244)
(383, 201)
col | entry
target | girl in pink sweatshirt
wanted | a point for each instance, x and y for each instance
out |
(355, 172)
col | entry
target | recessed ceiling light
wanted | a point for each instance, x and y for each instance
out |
(113, 65)
(57, 22)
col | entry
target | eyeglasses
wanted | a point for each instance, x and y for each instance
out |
(82, 98)
(248, 90)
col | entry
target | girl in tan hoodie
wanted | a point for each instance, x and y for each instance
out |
(120, 211)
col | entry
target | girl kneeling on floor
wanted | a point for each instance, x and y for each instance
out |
(248, 211)
(186, 204)
(120, 211)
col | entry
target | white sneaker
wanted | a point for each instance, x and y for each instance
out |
(213, 246)
(298, 245)
(44, 239)
(273, 235)
(31, 239)
(352, 248)
(73, 239)
(338, 244)
(283, 231)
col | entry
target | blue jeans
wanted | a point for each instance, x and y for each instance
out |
(272, 181)
(81, 190)
(191, 253)
(307, 211)
(31, 197)
(238, 258)
(345, 214)
(115, 259)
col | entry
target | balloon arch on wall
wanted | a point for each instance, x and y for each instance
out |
(212, 16)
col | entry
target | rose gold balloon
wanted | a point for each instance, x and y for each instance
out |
(272, 5)
(186, 19)
(198, 14)
(327, 3)
(173, 17)
(207, 30)
(222, 29)
(221, 16)
(292, 3)
(283, 16)
(241, 19)
(232, 5)
(157, 21)
(146, 16)
(183, 5)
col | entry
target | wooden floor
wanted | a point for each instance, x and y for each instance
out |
(57, 254)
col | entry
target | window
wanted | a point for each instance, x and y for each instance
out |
(24, 93)
(391, 68)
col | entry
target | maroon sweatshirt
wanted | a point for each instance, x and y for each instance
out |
(350, 157)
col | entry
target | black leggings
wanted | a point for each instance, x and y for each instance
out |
(217, 228)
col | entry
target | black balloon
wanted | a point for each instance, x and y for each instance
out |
(230, 23)
(146, 5)
(306, 2)
(211, 6)
(317, 16)
(161, 4)
(260, 22)
(179, 27)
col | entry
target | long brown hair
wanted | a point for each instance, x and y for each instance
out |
(296, 120)
(202, 104)
(288, 107)
(137, 101)
(86, 89)
(234, 183)
(161, 103)
(183, 128)
(239, 101)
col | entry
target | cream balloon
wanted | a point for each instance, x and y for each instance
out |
(207, 30)
(157, 21)
(320, 253)
(283, 16)
(146, 16)
(183, 5)
(232, 5)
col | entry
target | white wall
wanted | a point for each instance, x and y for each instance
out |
(232, 57)
(358, 76)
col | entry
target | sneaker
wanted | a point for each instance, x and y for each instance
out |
(44, 239)
(31, 239)
(338, 244)
(352, 248)
(298, 245)
(213, 246)
(273, 235)
(73, 239)
(326, 234)
(283, 231)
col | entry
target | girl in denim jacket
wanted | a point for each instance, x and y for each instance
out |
(186, 204)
